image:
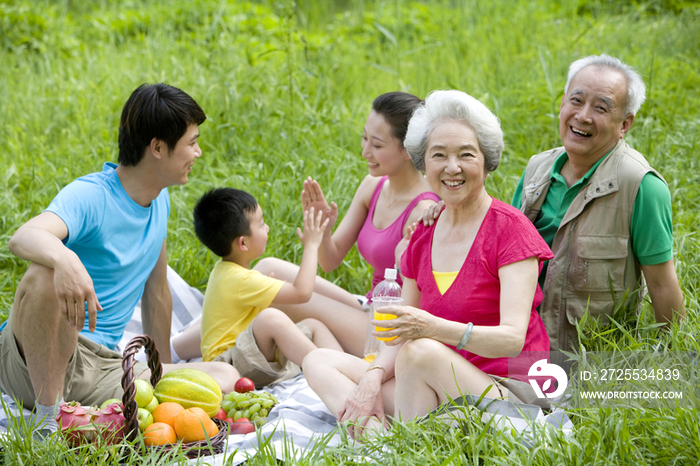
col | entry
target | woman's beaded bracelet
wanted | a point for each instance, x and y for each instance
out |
(465, 338)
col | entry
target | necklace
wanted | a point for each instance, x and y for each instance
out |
(388, 204)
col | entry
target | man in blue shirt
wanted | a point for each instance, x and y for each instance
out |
(96, 250)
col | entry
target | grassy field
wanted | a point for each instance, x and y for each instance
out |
(287, 87)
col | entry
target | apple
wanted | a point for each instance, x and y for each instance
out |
(221, 414)
(229, 420)
(144, 393)
(112, 401)
(152, 405)
(145, 419)
(244, 385)
(242, 426)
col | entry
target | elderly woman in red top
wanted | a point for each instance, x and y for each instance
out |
(470, 284)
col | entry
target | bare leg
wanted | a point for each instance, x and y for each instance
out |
(423, 385)
(43, 336)
(187, 343)
(334, 376)
(347, 324)
(321, 335)
(273, 329)
(287, 271)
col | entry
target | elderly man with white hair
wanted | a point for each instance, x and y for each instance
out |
(604, 211)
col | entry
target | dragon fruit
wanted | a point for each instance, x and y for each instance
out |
(83, 424)
(75, 422)
(110, 422)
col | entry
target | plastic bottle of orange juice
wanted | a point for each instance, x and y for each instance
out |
(386, 293)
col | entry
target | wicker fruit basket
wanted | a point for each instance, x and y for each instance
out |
(192, 449)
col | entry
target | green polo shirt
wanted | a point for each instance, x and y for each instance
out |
(651, 231)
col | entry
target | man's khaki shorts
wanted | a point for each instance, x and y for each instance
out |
(246, 357)
(93, 375)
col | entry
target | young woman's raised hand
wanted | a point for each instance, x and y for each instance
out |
(312, 196)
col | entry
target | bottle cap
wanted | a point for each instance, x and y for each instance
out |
(390, 273)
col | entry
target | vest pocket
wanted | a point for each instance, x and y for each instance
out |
(600, 260)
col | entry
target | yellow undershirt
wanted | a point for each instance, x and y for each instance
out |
(444, 280)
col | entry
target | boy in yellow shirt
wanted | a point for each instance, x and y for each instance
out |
(238, 325)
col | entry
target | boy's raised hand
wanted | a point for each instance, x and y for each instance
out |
(314, 226)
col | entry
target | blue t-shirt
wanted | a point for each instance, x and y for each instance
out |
(118, 242)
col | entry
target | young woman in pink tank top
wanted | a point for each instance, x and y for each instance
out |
(388, 201)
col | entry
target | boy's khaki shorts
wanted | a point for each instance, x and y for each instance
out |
(93, 375)
(247, 358)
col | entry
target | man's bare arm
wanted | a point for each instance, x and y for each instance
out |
(157, 306)
(665, 293)
(40, 240)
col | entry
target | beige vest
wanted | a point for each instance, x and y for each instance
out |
(592, 248)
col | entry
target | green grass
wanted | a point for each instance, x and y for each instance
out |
(287, 86)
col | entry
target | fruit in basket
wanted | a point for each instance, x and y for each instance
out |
(152, 405)
(112, 401)
(159, 433)
(83, 424)
(190, 388)
(194, 424)
(144, 393)
(251, 405)
(221, 414)
(166, 412)
(242, 426)
(75, 422)
(110, 422)
(244, 385)
(145, 418)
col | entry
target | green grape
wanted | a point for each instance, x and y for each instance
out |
(254, 409)
(238, 397)
(244, 404)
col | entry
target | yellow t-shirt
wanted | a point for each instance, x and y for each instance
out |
(234, 297)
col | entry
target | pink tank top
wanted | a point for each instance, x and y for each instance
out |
(377, 246)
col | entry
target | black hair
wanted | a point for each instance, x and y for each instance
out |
(397, 109)
(155, 111)
(221, 216)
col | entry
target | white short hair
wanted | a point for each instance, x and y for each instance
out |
(453, 105)
(636, 90)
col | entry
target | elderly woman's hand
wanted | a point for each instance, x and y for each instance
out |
(431, 214)
(312, 196)
(365, 402)
(410, 324)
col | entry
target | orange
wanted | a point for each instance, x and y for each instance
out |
(159, 433)
(166, 412)
(194, 424)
